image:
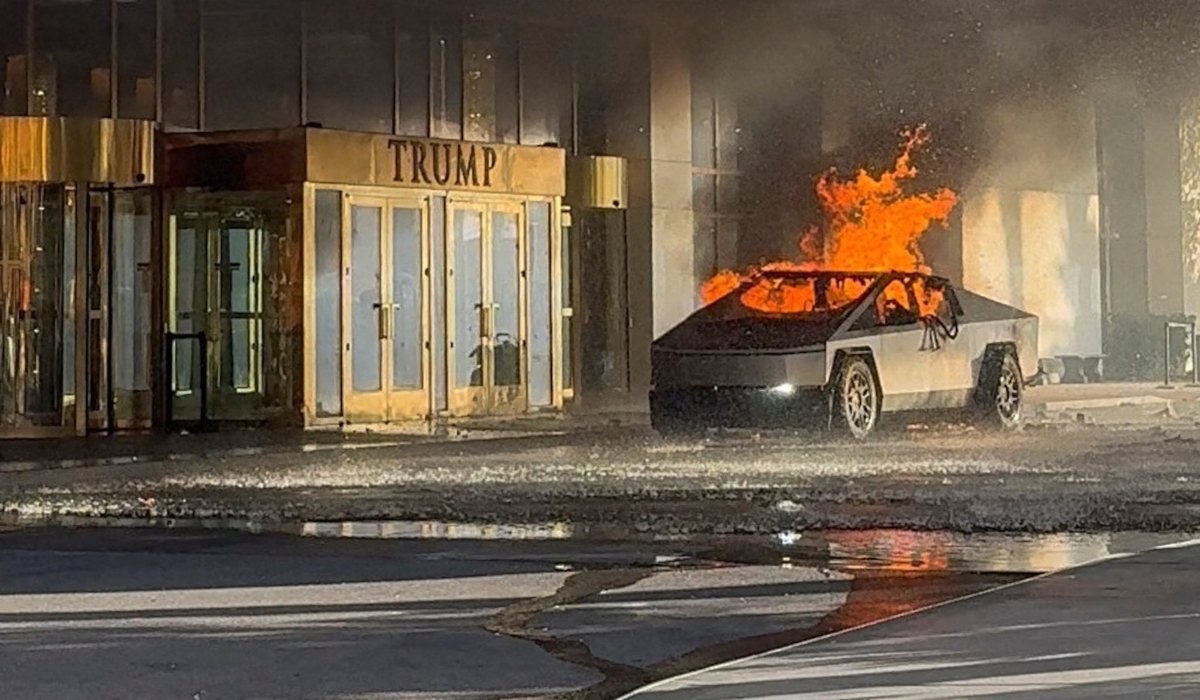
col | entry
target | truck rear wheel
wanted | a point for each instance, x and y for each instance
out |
(1001, 391)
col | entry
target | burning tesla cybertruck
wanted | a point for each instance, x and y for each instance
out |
(794, 348)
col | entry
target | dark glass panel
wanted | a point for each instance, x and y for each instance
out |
(351, 62)
(72, 75)
(251, 64)
(136, 47)
(181, 65)
(547, 93)
(14, 95)
(412, 72)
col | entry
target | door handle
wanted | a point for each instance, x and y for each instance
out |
(385, 318)
(485, 315)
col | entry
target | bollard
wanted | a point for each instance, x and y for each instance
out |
(1195, 361)
(1167, 355)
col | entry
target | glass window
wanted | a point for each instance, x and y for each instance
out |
(251, 64)
(137, 33)
(468, 298)
(412, 73)
(130, 302)
(894, 305)
(506, 311)
(72, 73)
(240, 268)
(328, 302)
(541, 320)
(408, 300)
(446, 78)
(12, 57)
(190, 296)
(366, 240)
(547, 86)
(350, 65)
(181, 65)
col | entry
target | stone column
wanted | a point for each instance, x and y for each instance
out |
(1189, 160)
(1164, 225)
(670, 170)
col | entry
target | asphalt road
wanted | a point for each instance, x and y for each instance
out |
(99, 614)
(1122, 628)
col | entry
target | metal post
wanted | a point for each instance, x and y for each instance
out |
(168, 383)
(202, 338)
(1195, 361)
(1167, 355)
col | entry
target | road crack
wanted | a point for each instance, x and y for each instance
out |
(516, 622)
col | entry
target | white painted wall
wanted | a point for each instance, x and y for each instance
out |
(1039, 251)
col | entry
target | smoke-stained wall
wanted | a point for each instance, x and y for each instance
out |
(1066, 128)
(1030, 219)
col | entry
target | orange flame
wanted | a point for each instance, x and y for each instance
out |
(872, 225)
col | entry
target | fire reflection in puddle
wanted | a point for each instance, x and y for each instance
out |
(908, 551)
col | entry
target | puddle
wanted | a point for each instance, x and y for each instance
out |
(895, 551)
(435, 530)
(1001, 553)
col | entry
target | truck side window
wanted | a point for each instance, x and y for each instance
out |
(894, 305)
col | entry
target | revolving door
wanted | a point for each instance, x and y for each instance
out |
(75, 308)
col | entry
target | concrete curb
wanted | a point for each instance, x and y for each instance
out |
(24, 466)
(27, 466)
(1093, 404)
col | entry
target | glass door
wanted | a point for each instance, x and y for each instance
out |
(118, 228)
(487, 339)
(217, 290)
(387, 357)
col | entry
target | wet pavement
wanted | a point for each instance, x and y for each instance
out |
(627, 482)
(1125, 627)
(115, 613)
(1112, 405)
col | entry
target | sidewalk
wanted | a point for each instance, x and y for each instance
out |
(1112, 403)
(107, 450)
(1101, 404)
(1083, 633)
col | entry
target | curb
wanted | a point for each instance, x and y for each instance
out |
(472, 437)
(1093, 404)
(25, 466)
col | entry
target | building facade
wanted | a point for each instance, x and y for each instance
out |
(310, 212)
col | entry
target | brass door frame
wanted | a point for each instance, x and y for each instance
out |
(389, 403)
(487, 399)
(97, 256)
